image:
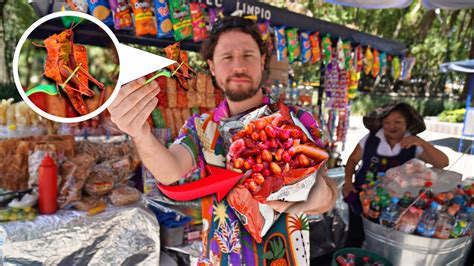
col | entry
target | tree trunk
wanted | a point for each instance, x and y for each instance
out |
(4, 77)
(425, 24)
(400, 22)
(471, 56)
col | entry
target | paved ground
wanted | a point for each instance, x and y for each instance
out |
(459, 162)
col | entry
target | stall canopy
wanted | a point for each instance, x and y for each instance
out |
(379, 4)
(276, 16)
(467, 67)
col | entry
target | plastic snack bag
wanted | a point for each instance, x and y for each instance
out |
(121, 13)
(78, 5)
(181, 18)
(305, 47)
(143, 16)
(376, 66)
(294, 50)
(315, 49)
(215, 13)
(163, 20)
(101, 10)
(199, 21)
(369, 61)
(280, 42)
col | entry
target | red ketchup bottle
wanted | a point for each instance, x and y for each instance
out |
(48, 186)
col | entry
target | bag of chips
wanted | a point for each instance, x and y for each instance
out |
(265, 31)
(143, 16)
(77, 5)
(181, 18)
(315, 49)
(305, 47)
(293, 44)
(280, 42)
(369, 61)
(121, 13)
(376, 67)
(199, 21)
(101, 10)
(215, 13)
(327, 49)
(163, 20)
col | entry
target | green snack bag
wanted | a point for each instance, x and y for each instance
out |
(181, 19)
(294, 50)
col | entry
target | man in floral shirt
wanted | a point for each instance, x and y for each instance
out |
(236, 56)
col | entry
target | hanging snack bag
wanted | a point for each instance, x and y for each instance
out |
(327, 49)
(143, 16)
(199, 21)
(315, 49)
(369, 61)
(181, 18)
(396, 68)
(101, 10)
(264, 28)
(215, 13)
(293, 44)
(121, 13)
(376, 66)
(163, 20)
(347, 55)
(77, 5)
(383, 64)
(280, 40)
(305, 47)
(359, 62)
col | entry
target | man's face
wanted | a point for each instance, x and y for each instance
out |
(237, 65)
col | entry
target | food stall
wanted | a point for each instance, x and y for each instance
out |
(181, 99)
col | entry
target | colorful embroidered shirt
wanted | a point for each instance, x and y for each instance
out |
(226, 241)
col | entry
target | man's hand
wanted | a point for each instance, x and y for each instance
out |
(410, 141)
(133, 106)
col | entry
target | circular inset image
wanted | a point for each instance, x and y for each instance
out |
(66, 66)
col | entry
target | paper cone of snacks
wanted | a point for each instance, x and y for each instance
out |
(280, 160)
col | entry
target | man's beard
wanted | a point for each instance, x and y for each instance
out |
(240, 95)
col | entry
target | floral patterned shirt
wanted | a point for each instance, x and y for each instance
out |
(226, 241)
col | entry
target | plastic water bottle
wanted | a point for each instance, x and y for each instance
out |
(409, 220)
(463, 222)
(390, 213)
(427, 225)
(446, 222)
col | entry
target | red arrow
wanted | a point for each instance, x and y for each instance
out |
(220, 181)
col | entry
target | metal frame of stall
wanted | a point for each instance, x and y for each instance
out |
(467, 67)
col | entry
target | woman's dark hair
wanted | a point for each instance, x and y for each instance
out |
(233, 23)
(405, 110)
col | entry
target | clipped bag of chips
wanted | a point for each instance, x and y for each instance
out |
(163, 20)
(315, 49)
(143, 16)
(77, 5)
(215, 13)
(305, 47)
(368, 60)
(280, 42)
(376, 66)
(101, 10)
(294, 50)
(265, 31)
(121, 13)
(181, 19)
(199, 20)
